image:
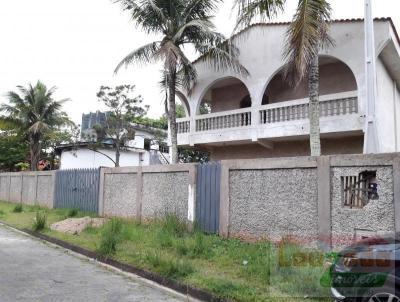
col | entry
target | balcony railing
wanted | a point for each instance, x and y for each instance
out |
(223, 120)
(183, 125)
(330, 105)
(299, 110)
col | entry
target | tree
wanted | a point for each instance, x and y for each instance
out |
(13, 150)
(306, 35)
(123, 109)
(181, 23)
(33, 112)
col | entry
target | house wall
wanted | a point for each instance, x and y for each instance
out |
(385, 109)
(347, 145)
(228, 97)
(397, 102)
(84, 158)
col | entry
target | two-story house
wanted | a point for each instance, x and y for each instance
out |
(263, 116)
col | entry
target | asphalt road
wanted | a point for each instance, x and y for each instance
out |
(31, 270)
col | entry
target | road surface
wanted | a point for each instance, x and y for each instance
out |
(31, 270)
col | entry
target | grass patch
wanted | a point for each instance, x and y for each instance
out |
(229, 268)
(39, 223)
(18, 208)
(72, 213)
(110, 237)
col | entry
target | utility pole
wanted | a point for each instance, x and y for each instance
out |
(371, 138)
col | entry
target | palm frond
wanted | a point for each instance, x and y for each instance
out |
(308, 32)
(201, 25)
(142, 55)
(249, 10)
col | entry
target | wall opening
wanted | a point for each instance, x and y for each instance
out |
(335, 77)
(358, 190)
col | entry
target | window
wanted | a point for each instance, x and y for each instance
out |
(358, 190)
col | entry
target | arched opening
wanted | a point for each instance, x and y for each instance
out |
(182, 105)
(223, 95)
(335, 77)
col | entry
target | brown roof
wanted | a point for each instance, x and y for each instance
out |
(353, 20)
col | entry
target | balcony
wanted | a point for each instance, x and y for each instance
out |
(338, 113)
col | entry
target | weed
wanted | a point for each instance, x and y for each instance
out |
(164, 239)
(174, 225)
(170, 268)
(18, 208)
(110, 237)
(200, 248)
(40, 221)
(181, 247)
(2, 213)
(72, 212)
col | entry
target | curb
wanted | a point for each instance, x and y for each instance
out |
(156, 278)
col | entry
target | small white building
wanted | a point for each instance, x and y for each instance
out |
(262, 116)
(144, 150)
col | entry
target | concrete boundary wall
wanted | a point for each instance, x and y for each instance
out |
(334, 222)
(32, 188)
(259, 198)
(147, 192)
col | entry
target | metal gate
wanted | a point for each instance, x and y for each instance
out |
(77, 189)
(207, 197)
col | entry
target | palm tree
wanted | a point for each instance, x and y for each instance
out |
(180, 23)
(306, 35)
(33, 113)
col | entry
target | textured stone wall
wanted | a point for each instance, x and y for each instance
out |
(377, 216)
(15, 188)
(29, 189)
(4, 187)
(45, 188)
(269, 204)
(165, 193)
(120, 195)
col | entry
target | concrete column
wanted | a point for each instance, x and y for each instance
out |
(224, 201)
(396, 192)
(21, 188)
(139, 193)
(101, 192)
(191, 215)
(35, 200)
(324, 202)
(9, 187)
(53, 184)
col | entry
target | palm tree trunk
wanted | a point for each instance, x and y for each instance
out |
(172, 116)
(313, 83)
(35, 152)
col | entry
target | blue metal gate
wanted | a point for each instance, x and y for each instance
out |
(77, 189)
(207, 197)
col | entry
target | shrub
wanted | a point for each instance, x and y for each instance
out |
(72, 212)
(18, 208)
(110, 237)
(174, 225)
(40, 221)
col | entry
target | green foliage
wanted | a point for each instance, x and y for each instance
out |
(40, 221)
(13, 150)
(32, 113)
(175, 226)
(110, 237)
(18, 208)
(2, 213)
(72, 212)
(171, 268)
(193, 156)
(160, 123)
(22, 166)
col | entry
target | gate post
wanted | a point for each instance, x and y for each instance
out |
(224, 201)
(191, 215)
(101, 191)
(139, 193)
(324, 202)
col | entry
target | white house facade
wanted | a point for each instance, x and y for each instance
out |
(262, 116)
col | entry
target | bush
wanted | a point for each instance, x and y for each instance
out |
(170, 268)
(18, 208)
(40, 221)
(110, 237)
(72, 212)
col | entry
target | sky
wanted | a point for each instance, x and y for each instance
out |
(76, 45)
